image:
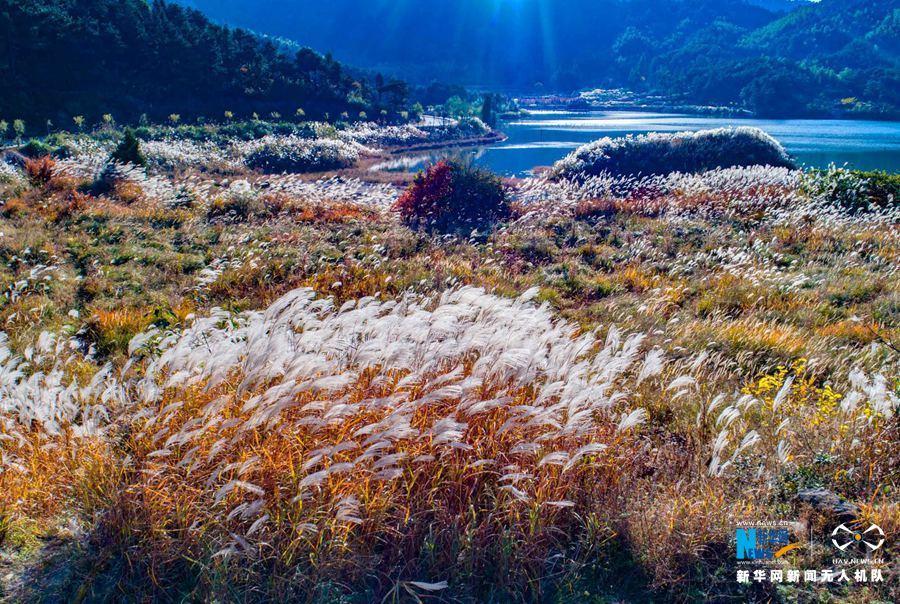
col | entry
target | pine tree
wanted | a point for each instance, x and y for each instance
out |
(129, 150)
(487, 110)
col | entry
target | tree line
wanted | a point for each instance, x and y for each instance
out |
(62, 59)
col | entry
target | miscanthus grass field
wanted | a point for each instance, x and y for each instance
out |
(221, 380)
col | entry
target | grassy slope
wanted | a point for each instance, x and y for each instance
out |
(123, 262)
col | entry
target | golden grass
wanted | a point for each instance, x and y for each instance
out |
(649, 500)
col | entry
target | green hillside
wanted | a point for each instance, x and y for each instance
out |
(828, 58)
(129, 57)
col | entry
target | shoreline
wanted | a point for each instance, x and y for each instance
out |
(700, 111)
(492, 138)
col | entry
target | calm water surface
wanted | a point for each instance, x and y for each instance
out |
(541, 138)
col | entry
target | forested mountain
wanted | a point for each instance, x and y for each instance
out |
(828, 55)
(493, 42)
(820, 58)
(834, 32)
(61, 58)
(779, 6)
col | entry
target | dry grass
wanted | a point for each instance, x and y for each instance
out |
(323, 405)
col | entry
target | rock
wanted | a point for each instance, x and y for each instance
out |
(12, 156)
(829, 504)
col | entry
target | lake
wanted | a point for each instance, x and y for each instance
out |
(543, 137)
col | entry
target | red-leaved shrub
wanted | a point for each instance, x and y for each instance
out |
(453, 197)
(40, 170)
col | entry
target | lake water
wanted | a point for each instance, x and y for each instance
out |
(543, 137)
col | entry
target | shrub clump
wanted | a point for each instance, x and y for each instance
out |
(129, 150)
(688, 152)
(238, 204)
(453, 197)
(40, 170)
(35, 149)
(297, 154)
(854, 190)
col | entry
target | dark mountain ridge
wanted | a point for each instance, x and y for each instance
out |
(62, 58)
(805, 61)
(489, 42)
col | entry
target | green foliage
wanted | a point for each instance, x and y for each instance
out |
(129, 150)
(801, 64)
(19, 129)
(129, 57)
(36, 148)
(882, 188)
(855, 189)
